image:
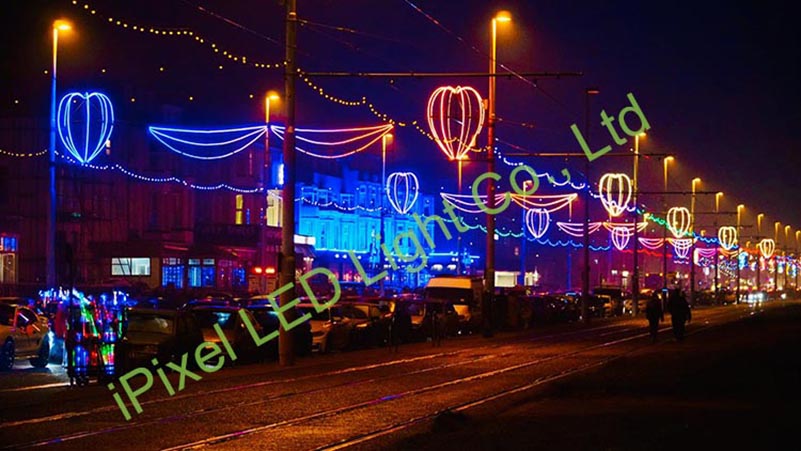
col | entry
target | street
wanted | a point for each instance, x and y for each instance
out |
(378, 399)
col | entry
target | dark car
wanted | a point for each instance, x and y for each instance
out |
(232, 326)
(616, 298)
(430, 315)
(268, 319)
(161, 334)
(331, 330)
(370, 325)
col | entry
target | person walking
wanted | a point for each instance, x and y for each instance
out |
(654, 313)
(679, 313)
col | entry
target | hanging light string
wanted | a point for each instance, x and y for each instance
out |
(180, 32)
(22, 155)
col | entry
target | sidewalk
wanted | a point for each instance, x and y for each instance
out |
(735, 386)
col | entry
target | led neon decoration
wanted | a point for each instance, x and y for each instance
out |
(361, 136)
(611, 226)
(577, 229)
(652, 243)
(681, 246)
(766, 247)
(620, 237)
(402, 186)
(727, 237)
(678, 221)
(615, 192)
(702, 257)
(467, 203)
(81, 131)
(537, 222)
(197, 144)
(460, 105)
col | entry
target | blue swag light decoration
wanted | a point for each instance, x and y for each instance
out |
(208, 144)
(81, 131)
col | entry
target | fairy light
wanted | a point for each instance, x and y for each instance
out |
(213, 139)
(92, 143)
(409, 184)
(440, 118)
(615, 192)
(182, 32)
(23, 154)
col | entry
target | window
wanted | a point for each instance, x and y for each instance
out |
(202, 276)
(130, 266)
(172, 272)
(238, 218)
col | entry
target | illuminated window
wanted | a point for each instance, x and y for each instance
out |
(238, 219)
(172, 272)
(130, 266)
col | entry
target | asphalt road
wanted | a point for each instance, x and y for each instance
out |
(602, 386)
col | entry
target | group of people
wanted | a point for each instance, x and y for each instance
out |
(677, 306)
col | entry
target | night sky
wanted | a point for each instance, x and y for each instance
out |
(717, 82)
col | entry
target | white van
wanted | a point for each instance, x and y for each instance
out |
(465, 292)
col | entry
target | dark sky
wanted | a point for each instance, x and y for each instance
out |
(716, 80)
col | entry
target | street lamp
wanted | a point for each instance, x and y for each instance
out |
(777, 225)
(50, 244)
(797, 241)
(692, 246)
(737, 258)
(635, 282)
(664, 229)
(585, 274)
(384, 141)
(759, 253)
(489, 271)
(718, 195)
(266, 183)
(784, 254)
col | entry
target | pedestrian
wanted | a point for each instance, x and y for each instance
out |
(654, 313)
(679, 313)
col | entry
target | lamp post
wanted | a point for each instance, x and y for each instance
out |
(585, 273)
(797, 241)
(664, 229)
(737, 259)
(635, 282)
(784, 256)
(692, 246)
(384, 139)
(524, 242)
(718, 195)
(50, 243)
(759, 251)
(266, 183)
(489, 270)
(776, 225)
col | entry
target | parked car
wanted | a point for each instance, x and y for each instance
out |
(23, 335)
(615, 299)
(262, 310)
(157, 333)
(424, 312)
(227, 316)
(370, 325)
(464, 292)
(330, 329)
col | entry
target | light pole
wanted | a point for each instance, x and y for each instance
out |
(718, 195)
(777, 225)
(489, 270)
(585, 274)
(797, 241)
(759, 251)
(384, 139)
(664, 229)
(692, 246)
(266, 183)
(635, 282)
(524, 241)
(737, 259)
(784, 255)
(50, 244)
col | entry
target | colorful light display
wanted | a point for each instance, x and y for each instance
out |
(621, 237)
(459, 108)
(681, 246)
(213, 144)
(727, 237)
(615, 192)
(402, 190)
(678, 221)
(81, 131)
(652, 243)
(537, 222)
(576, 229)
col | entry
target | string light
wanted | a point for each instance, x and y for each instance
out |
(577, 229)
(184, 33)
(537, 222)
(369, 134)
(409, 184)
(441, 115)
(89, 102)
(615, 192)
(23, 155)
(216, 140)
